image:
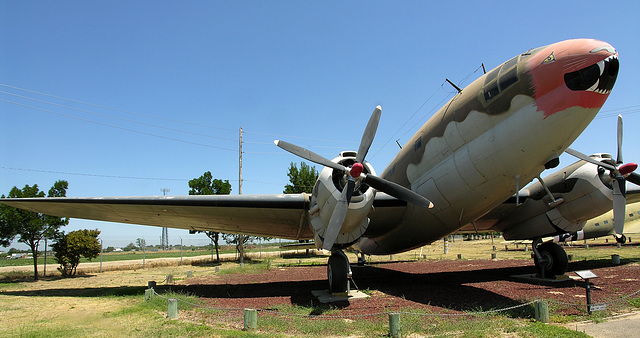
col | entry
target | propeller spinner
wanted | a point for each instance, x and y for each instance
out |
(620, 173)
(355, 172)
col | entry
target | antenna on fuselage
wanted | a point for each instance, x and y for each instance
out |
(454, 86)
(484, 69)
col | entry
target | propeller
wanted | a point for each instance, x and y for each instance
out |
(355, 172)
(620, 173)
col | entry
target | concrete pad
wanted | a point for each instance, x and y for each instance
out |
(324, 296)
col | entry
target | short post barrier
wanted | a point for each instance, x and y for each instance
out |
(169, 279)
(459, 256)
(148, 294)
(570, 257)
(394, 325)
(172, 308)
(615, 259)
(542, 311)
(189, 273)
(494, 255)
(250, 319)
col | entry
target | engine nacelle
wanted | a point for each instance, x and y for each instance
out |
(582, 191)
(326, 194)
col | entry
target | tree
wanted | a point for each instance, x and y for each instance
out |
(141, 243)
(206, 185)
(301, 180)
(129, 247)
(70, 247)
(31, 227)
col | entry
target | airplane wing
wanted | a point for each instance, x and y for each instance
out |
(281, 216)
(509, 207)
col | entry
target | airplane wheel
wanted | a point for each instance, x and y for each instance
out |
(554, 260)
(622, 239)
(337, 270)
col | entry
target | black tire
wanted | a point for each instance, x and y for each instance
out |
(622, 239)
(555, 260)
(337, 270)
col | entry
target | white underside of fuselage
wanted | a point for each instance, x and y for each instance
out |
(473, 168)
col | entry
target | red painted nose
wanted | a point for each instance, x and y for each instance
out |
(627, 168)
(356, 170)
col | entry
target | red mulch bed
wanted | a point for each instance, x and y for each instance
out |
(446, 286)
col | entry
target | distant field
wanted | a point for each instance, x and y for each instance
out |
(134, 255)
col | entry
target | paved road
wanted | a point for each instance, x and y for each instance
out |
(623, 326)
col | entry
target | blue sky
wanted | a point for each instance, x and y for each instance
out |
(124, 98)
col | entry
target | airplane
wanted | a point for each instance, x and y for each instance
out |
(603, 225)
(494, 136)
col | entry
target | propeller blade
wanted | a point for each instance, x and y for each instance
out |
(584, 157)
(338, 216)
(619, 204)
(619, 161)
(397, 191)
(308, 155)
(634, 178)
(369, 134)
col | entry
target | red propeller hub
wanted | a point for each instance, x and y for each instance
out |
(627, 168)
(356, 170)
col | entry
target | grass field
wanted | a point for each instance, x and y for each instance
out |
(112, 303)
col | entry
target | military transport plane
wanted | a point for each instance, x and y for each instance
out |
(603, 225)
(497, 134)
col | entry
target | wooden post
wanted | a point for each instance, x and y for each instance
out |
(169, 279)
(148, 294)
(494, 255)
(394, 325)
(615, 259)
(542, 311)
(172, 308)
(189, 273)
(250, 319)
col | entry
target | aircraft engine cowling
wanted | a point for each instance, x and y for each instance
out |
(326, 194)
(582, 191)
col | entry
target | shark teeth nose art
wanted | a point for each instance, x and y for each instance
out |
(598, 78)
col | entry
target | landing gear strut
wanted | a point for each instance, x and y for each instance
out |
(338, 272)
(550, 258)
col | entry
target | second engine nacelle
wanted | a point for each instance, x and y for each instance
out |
(326, 194)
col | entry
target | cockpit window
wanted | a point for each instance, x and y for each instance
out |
(508, 76)
(492, 75)
(510, 63)
(508, 79)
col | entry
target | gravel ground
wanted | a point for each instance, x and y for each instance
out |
(438, 286)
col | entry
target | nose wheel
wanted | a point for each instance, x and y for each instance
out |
(338, 272)
(550, 259)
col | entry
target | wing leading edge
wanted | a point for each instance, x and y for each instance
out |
(281, 216)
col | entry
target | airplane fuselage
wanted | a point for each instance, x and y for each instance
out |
(496, 134)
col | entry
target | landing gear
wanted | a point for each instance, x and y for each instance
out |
(550, 259)
(338, 272)
(621, 239)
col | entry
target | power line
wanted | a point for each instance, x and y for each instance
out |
(117, 109)
(117, 127)
(116, 117)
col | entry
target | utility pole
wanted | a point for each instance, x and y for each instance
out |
(240, 236)
(165, 232)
